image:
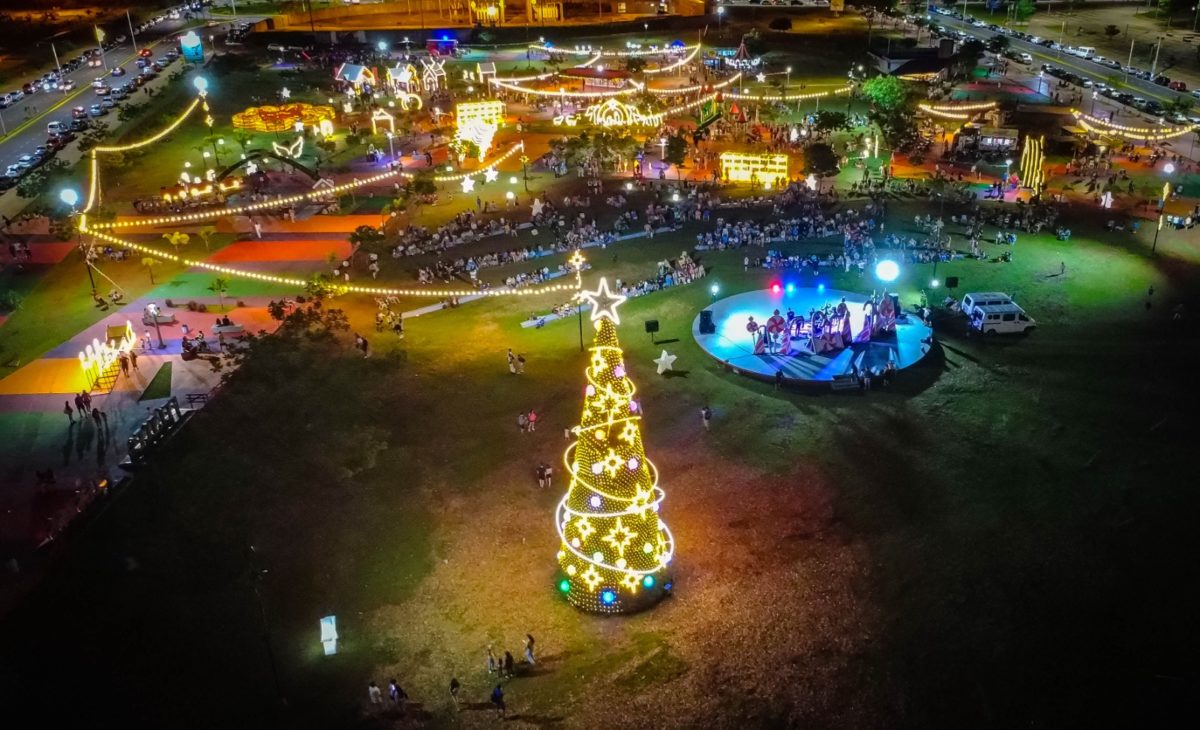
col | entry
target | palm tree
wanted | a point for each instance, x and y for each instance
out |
(206, 233)
(150, 263)
(177, 239)
(218, 287)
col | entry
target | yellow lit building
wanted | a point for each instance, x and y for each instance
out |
(769, 170)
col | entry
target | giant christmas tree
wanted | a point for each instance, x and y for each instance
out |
(615, 548)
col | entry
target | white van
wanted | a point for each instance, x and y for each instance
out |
(1085, 52)
(1001, 319)
(55, 128)
(983, 299)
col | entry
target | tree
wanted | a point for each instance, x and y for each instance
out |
(676, 151)
(367, 238)
(614, 548)
(968, 55)
(206, 233)
(177, 239)
(1112, 31)
(219, 286)
(820, 159)
(887, 93)
(998, 44)
(635, 64)
(150, 263)
(1024, 9)
(830, 121)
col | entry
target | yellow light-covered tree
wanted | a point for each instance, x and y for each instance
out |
(615, 548)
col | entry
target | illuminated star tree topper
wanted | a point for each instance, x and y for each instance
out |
(614, 549)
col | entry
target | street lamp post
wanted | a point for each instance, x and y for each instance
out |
(720, 16)
(525, 169)
(391, 144)
(577, 261)
(70, 196)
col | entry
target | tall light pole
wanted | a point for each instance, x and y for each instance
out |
(70, 196)
(577, 262)
(720, 15)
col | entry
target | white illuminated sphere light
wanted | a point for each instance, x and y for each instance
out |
(887, 270)
(595, 501)
(200, 83)
(1169, 168)
(69, 196)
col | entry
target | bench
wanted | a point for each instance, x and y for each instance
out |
(194, 398)
(162, 319)
(229, 330)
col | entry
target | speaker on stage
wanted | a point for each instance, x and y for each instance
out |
(706, 323)
(651, 328)
(896, 303)
(951, 282)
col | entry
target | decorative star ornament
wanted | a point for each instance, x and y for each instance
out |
(468, 184)
(491, 174)
(604, 302)
(761, 78)
(665, 362)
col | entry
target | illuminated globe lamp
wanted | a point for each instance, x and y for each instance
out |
(887, 271)
(69, 196)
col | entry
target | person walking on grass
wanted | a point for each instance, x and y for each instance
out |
(529, 649)
(532, 419)
(508, 664)
(374, 695)
(498, 700)
(133, 359)
(67, 410)
(512, 362)
(778, 379)
(522, 422)
(96, 416)
(491, 661)
(454, 687)
(80, 407)
(520, 364)
(706, 417)
(124, 360)
(397, 695)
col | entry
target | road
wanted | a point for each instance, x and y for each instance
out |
(24, 134)
(1083, 67)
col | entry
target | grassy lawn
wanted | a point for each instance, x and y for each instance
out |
(57, 300)
(992, 542)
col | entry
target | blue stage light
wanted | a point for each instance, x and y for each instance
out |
(648, 581)
(790, 288)
(608, 597)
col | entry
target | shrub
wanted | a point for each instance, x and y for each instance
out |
(241, 304)
(191, 305)
(201, 307)
(170, 303)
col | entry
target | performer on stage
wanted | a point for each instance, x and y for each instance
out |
(752, 327)
(775, 325)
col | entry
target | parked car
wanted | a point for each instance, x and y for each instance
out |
(27, 162)
(96, 110)
(999, 319)
(118, 71)
(1177, 86)
(79, 125)
(78, 113)
(145, 53)
(68, 85)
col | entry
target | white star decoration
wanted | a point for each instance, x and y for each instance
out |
(665, 362)
(604, 302)
(468, 184)
(761, 78)
(490, 174)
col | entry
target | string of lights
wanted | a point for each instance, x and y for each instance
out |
(634, 88)
(302, 197)
(791, 97)
(1101, 126)
(697, 87)
(681, 62)
(588, 50)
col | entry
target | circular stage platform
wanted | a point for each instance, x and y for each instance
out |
(733, 344)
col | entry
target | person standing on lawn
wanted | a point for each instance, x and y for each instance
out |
(67, 410)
